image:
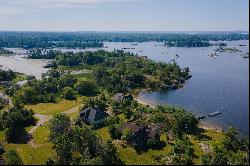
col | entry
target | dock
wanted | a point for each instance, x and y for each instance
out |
(199, 117)
(214, 113)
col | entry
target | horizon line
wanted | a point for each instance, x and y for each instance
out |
(114, 31)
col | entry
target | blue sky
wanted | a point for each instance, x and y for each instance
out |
(124, 15)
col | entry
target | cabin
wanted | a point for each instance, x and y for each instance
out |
(119, 97)
(22, 83)
(4, 98)
(93, 116)
(140, 134)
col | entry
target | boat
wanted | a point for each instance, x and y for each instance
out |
(214, 113)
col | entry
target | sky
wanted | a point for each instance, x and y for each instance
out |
(124, 15)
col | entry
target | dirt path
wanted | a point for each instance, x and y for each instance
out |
(42, 119)
(45, 118)
(73, 110)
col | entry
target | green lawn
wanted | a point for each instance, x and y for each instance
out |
(104, 133)
(30, 155)
(212, 135)
(33, 155)
(129, 156)
(53, 109)
(41, 135)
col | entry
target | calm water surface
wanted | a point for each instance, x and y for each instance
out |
(218, 84)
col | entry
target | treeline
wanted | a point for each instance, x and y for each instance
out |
(5, 51)
(78, 144)
(95, 39)
(13, 123)
(7, 75)
(54, 85)
(233, 150)
(188, 42)
(38, 53)
(118, 71)
(28, 40)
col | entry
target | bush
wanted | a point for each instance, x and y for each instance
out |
(114, 133)
(126, 134)
(68, 93)
(11, 158)
(86, 87)
(2, 104)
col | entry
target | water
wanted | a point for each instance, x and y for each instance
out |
(19, 63)
(218, 84)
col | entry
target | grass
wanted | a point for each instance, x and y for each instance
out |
(216, 136)
(212, 135)
(131, 157)
(53, 109)
(31, 155)
(104, 133)
(19, 77)
(41, 135)
(2, 136)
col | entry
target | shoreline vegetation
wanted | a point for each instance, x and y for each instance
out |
(202, 125)
(130, 132)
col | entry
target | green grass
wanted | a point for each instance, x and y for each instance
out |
(2, 137)
(129, 155)
(31, 155)
(212, 135)
(104, 133)
(216, 136)
(41, 135)
(53, 109)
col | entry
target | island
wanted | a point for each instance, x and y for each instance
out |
(95, 117)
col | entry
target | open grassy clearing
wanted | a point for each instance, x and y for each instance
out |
(54, 108)
(31, 155)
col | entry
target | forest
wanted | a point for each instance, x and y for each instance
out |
(30, 40)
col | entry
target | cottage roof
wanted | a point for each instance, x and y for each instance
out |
(94, 114)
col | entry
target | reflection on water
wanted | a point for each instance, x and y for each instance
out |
(218, 84)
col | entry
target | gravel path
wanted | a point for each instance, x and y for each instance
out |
(45, 118)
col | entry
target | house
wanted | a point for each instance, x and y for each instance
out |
(22, 83)
(4, 98)
(140, 134)
(93, 116)
(119, 97)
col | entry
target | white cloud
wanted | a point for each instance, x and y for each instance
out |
(10, 7)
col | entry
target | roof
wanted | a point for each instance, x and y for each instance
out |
(133, 127)
(151, 132)
(94, 114)
(119, 94)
